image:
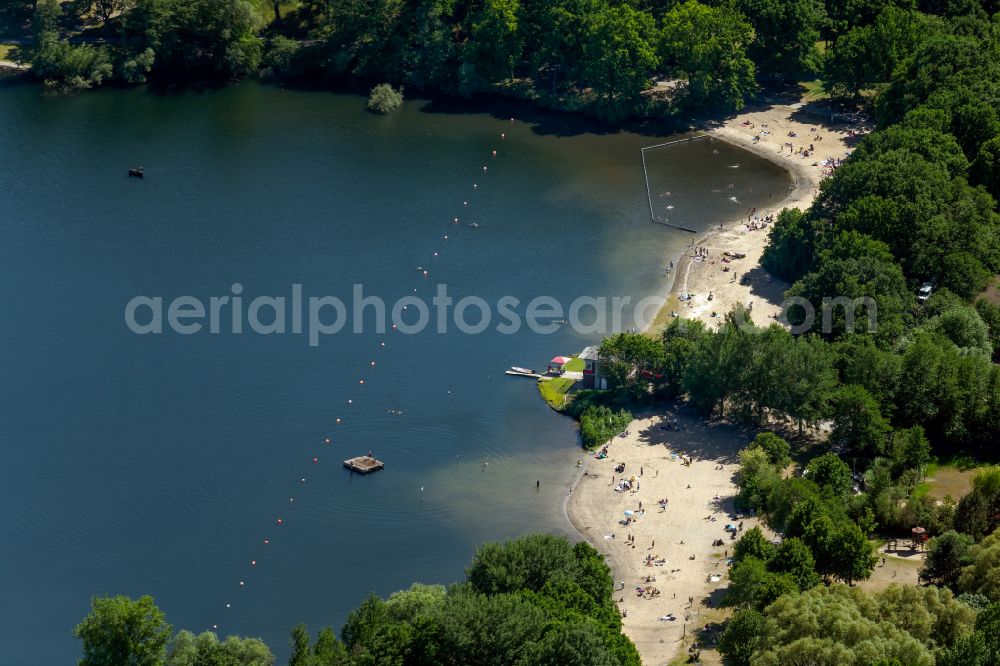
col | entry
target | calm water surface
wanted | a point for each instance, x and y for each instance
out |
(160, 464)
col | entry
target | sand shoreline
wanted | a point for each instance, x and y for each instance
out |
(693, 544)
(764, 291)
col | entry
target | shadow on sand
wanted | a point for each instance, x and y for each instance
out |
(695, 437)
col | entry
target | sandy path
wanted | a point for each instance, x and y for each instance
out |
(701, 277)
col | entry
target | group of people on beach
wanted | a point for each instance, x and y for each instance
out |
(758, 222)
(626, 485)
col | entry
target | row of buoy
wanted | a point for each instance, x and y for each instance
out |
(327, 441)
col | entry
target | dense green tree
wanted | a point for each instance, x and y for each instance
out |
(119, 630)
(59, 63)
(632, 362)
(861, 362)
(910, 449)
(988, 624)
(964, 327)
(598, 424)
(753, 544)
(863, 294)
(205, 649)
(681, 340)
(949, 393)
(990, 314)
(946, 555)
(756, 477)
(985, 169)
(619, 57)
(869, 54)
(741, 637)
(752, 585)
(982, 574)
(970, 650)
(809, 382)
(570, 645)
(830, 473)
(854, 560)
(785, 35)
(496, 44)
(216, 37)
(794, 558)
(707, 46)
(858, 425)
(791, 244)
(777, 450)
(529, 562)
(931, 615)
(835, 625)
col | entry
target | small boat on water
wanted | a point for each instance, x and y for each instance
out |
(136, 172)
(521, 371)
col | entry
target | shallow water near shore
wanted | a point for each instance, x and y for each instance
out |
(159, 464)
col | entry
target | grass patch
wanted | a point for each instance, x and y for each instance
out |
(8, 51)
(555, 391)
(951, 477)
(663, 317)
(575, 365)
(813, 91)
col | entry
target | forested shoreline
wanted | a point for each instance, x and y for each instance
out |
(534, 601)
(615, 60)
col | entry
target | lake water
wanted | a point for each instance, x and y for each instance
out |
(159, 464)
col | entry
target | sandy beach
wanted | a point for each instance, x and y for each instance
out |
(690, 572)
(686, 539)
(699, 277)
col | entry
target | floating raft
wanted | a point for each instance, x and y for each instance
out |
(363, 464)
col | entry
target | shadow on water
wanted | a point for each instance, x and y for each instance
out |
(170, 87)
(549, 122)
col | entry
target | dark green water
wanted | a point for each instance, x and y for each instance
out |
(159, 464)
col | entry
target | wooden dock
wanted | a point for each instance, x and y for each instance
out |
(363, 464)
(514, 373)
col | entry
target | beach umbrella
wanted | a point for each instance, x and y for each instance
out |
(629, 513)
